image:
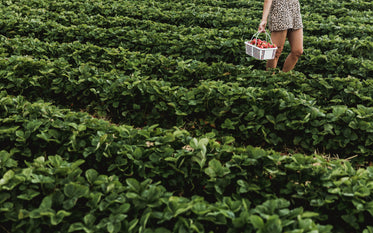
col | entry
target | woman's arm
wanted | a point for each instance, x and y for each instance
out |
(263, 23)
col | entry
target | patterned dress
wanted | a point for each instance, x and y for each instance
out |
(284, 15)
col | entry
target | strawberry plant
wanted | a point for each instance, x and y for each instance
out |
(172, 161)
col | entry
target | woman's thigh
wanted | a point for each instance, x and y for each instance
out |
(278, 38)
(296, 40)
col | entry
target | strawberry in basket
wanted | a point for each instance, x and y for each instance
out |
(261, 49)
(262, 44)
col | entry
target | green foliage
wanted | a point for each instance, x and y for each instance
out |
(187, 130)
(137, 177)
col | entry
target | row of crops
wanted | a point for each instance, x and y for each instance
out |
(147, 116)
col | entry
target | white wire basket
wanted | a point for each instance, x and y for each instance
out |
(260, 53)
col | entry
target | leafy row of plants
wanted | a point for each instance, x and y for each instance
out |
(252, 114)
(222, 17)
(55, 195)
(109, 178)
(239, 15)
(203, 47)
(330, 7)
(326, 91)
(175, 13)
(356, 47)
(187, 72)
(199, 47)
(94, 18)
(316, 23)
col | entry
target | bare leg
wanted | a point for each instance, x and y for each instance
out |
(278, 38)
(296, 43)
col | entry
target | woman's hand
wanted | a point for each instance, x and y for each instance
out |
(262, 26)
(266, 9)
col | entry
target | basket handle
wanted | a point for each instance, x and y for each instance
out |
(257, 34)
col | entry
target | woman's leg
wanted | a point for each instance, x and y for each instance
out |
(296, 43)
(278, 38)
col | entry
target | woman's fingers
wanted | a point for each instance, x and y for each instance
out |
(262, 26)
(261, 29)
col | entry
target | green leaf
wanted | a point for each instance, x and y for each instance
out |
(78, 226)
(41, 179)
(273, 225)
(133, 224)
(82, 127)
(369, 206)
(271, 119)
(137, 153)
(228, 124)
(200, 208)
(9, 130)
(369, 229)
(194, 143)
(6, 207)
(28, 194)
(7, 177)
(162, 230)
(57, 218)
(4, 197)
(102, 140)
(89, 219)
(95, 198)
(351, 220)
(69, 203)
(6, 161)
(228, 140)
(134, 185)
(124, 208)
(23, 214)
(309, 214)
(339, 110)
(74, 190)
(46, 203)
(56, 161)
(132, 195)
(258, 153)
(199, 157)
(257, 221)
(305, 224)
(77, 163)
(110, 227)
(247, 187)
(144, 219)
(215, 169)
(91, 175)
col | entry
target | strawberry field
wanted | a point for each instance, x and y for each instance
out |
(147, 116)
